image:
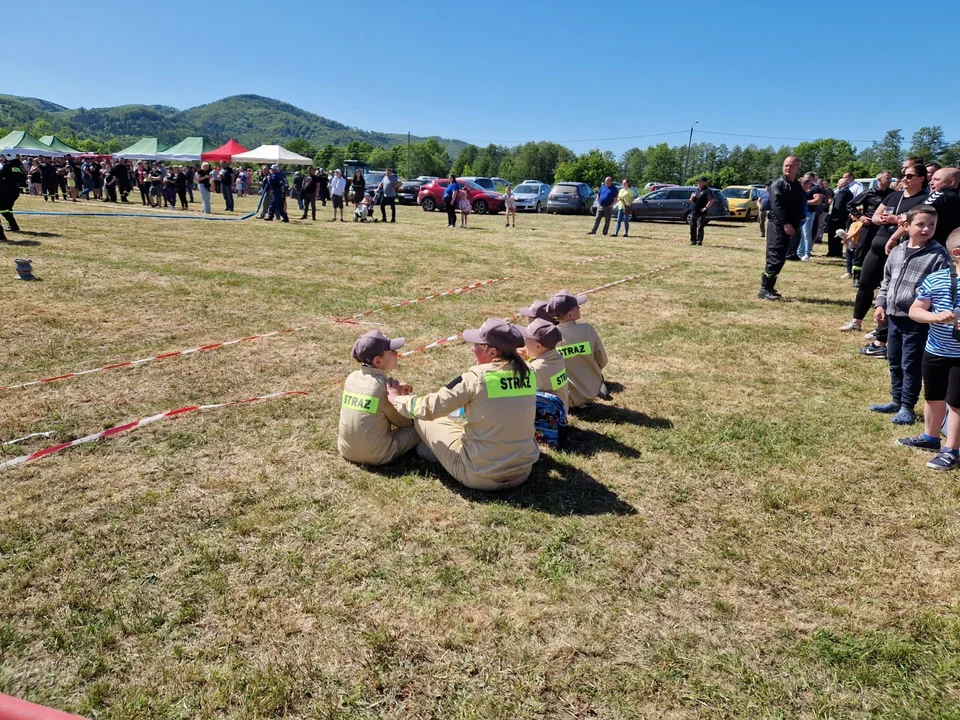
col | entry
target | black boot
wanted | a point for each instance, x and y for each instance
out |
(767, 283)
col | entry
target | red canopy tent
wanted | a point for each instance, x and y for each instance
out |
(226, 152)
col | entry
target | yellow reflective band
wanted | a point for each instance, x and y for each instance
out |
(559, 380)
(506, 383)
(363, 403)
(575, 349)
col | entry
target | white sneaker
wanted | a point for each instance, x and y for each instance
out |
(872, 335)
(805, 258)
(850, 326)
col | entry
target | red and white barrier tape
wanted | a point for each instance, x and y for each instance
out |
(17, 441)
(161, 356)
(138, 424)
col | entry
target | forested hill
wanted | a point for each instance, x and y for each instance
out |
(251, 119)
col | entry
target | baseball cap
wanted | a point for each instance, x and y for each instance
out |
(563, 302)
(537, 310)
(373, 344)
(497, 334)
(274, 167)
(543, 331)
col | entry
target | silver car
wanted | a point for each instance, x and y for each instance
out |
(532, 195)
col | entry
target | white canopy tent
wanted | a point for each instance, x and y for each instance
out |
(272, 154)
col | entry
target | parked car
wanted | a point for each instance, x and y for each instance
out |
(673, 203)
(532, 195)
(650, 187)
(409, 190)
(484, 201)
(573, 197)
(484, 182)
(500, 181)
(742, 201)
(426, 178)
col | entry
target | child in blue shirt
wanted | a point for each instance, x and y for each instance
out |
(935, 305)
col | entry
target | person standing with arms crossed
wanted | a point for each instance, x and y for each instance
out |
(389, 188)
(787, 201)
(702, 200)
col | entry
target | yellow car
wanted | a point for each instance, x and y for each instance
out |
(742, 200)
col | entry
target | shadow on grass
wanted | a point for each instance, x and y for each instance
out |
(554, 487)
(36, 233)
(584, 442)
(597, 412)
(822, 301)
(19, 243)
(613, 387)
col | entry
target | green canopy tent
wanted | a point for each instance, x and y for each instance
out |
(57, 144)
(23, 143)
(145, 149)
(188, 149)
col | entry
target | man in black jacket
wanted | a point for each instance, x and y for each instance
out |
(308, 193)
(838, 217)
(862, 208)
(944, 197)
(787, 201)
(12, 178)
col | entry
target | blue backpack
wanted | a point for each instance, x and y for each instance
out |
(550, 424)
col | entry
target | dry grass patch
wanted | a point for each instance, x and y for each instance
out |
(732, 536)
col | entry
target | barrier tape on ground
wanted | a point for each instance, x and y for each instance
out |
(161, 356)
(117, 429)
(46, 434)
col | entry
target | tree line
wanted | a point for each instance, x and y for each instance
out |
(551, 162)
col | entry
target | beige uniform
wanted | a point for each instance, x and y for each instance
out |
(496, 448)
(585, 357)
(367, 418)
(551, 370)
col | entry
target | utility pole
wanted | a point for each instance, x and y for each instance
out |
(409, 159)
(686, 160)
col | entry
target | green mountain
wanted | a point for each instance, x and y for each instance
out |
(251, 119)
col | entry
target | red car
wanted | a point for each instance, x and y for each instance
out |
(430, 196)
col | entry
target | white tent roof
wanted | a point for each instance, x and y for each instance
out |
(272, 154)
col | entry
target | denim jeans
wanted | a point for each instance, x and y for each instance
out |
(906, 339)
(227, 196)
(623, 217)
(806, 236)
(205, 196)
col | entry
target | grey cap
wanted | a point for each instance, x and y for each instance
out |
(374, 344)
(538, 309)
(497, 334)
(544, 332)
(563, 302)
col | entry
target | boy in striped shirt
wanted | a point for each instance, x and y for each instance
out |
(936, 305)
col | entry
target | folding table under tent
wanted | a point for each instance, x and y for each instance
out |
(224, 152)
(145, 149)
(272, 154)
(22, 143)
(56, 143)
(187, 150)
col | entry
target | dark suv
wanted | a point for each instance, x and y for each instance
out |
(572, 197)
(673, 203)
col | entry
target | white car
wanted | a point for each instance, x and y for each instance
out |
(532, 195)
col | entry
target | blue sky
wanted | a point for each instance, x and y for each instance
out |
(511, 72)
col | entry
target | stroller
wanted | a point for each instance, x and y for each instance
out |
(364, 209)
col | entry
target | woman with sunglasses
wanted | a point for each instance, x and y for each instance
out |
(887, 219)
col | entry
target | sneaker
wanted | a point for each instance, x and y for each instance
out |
(845, 276)
(920, 442)
(851, 326)
(805, 258)
(872, 335)
(905, 416)
(946, 459)
(765, 294)
(886, 408)
(872, 350)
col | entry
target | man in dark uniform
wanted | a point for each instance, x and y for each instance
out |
(323, 187)
(122, 173)
(12, 178)
(278, 190)
(308, 193)
(787, 202)
(48, 179)
(838, 217)
(702, 199)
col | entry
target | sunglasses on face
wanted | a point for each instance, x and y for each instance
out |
(909, 176)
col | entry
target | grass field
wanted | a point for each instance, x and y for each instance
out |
(733, 536)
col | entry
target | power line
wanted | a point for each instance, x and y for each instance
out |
(773, 137)
(624, 137)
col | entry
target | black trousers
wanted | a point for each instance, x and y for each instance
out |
(324, 196)
(8, 198)
(866, 242)
(183, 197)
(310, 203)
(834, 244)
(871, 276)
(144, 193)
(777, 243)
(392, 202)
(697, 222)
(50, 188)
(452, 212)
